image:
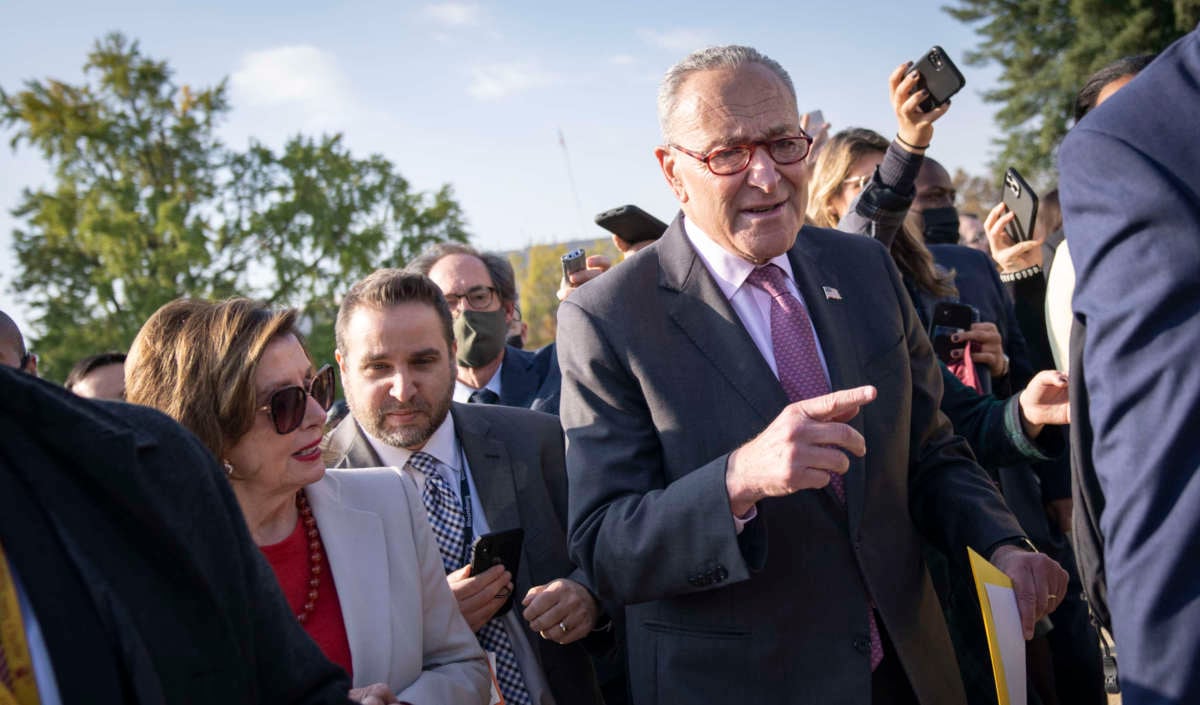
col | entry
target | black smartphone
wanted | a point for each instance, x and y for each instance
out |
(498, 547)
(573, 261)
(939, 76)
(1023, 201)
(631, 224)
(949, 318)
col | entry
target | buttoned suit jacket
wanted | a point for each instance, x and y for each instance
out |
(530, 379)
(137, 561)
(516, 460)
(661, 382)
(402, 622)
(1130, 190)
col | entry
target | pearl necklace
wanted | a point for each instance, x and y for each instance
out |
(314, 557)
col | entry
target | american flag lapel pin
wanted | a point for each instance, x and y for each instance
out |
(831, 294)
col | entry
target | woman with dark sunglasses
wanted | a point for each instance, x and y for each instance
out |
(352, 550)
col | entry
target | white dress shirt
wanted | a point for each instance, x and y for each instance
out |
(443, 445)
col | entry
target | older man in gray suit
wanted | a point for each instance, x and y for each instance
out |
(765, 532)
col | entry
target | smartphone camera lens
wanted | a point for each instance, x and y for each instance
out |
(936, 60)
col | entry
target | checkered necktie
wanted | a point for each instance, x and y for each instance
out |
(802, 376)
(449, 523)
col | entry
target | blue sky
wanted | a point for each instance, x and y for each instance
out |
(475, 93)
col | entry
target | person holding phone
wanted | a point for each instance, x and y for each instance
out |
(352, 552)
(481, 469)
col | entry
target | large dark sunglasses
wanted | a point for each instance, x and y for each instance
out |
(287, 406)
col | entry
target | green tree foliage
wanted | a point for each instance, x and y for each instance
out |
(1046, 49)
(147, 205)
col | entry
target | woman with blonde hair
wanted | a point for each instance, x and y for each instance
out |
(352, 550)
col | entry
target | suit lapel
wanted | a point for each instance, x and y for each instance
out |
(346, 447)
(354, 543)
(491, 468)
(833, 318)
(714, 328)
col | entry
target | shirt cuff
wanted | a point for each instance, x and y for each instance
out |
(739, 522)
(1016, 430)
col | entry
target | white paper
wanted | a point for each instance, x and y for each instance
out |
(1010, 638)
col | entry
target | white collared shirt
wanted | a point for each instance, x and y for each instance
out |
(452, 463)
(751, 304)
(463, 391)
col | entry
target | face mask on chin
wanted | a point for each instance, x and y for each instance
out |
(480, 336)
(941, 226)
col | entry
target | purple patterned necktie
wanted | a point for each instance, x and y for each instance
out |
(802, 377)
(449, 523)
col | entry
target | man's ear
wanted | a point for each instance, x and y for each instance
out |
(341, 362)
(666, 161)
(509, 313)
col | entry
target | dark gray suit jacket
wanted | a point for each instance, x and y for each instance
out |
(137, 561)
(516, 460)
(661, 382)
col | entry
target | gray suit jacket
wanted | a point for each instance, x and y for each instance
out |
(516, 459)
(661, 382)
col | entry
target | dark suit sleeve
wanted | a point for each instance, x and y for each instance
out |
(987, 424)
(636, 532)
(951, 499)
(1133, 221)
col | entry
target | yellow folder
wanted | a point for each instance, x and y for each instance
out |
(1002, 620)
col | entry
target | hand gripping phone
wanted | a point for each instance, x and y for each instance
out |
(949, 318)
(498, 547)
(939, 76)
(1022, 201)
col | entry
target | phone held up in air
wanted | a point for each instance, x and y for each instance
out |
(498, 548)
(1023, 202)
(573, 261)
(815, 119)
(631, 224)
(939, 76)
(949, 318)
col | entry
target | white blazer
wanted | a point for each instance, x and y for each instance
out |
(402, 622)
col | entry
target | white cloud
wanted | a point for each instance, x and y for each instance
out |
(622, 60)
(502, 80)
(454, 14)
(677, 39)
(281, 91)
(288, 74)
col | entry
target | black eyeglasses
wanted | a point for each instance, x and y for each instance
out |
(725, 161)
(287, 406)
(479, 298)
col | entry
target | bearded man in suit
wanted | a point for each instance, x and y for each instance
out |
(481, 468)
(764, 532)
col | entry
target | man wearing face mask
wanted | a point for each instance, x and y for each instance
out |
(480, 288)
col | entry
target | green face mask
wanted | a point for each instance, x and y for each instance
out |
(480, 336)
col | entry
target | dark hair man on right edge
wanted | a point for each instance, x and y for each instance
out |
(764, 531)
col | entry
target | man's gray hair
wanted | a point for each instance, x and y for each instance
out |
(499, 268)
(712, 58)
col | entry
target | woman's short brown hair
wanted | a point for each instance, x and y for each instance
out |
(196, 360)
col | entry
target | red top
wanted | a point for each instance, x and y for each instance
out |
(289, 560)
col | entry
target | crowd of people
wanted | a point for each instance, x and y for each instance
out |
(743, 472)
